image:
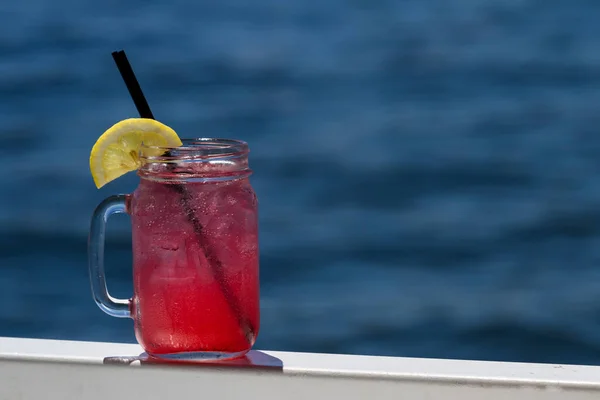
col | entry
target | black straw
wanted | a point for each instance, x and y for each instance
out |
(215, 264)
(132, 84)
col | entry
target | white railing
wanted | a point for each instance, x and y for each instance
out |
(50, 369)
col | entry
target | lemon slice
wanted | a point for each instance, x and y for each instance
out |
(116, 151)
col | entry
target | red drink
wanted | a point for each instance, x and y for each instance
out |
(195, 252)
(183, 301)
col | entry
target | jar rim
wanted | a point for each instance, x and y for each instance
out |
(197, 148)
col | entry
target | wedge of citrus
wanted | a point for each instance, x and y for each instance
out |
(116, 151)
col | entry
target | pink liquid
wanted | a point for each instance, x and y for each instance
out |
(195, 292)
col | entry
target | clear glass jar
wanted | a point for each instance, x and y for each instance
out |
(195, 251)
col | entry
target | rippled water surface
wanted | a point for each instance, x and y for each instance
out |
(428, 171)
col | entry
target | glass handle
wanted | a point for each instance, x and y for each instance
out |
(114, 307)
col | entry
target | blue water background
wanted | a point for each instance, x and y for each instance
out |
(428, 170)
